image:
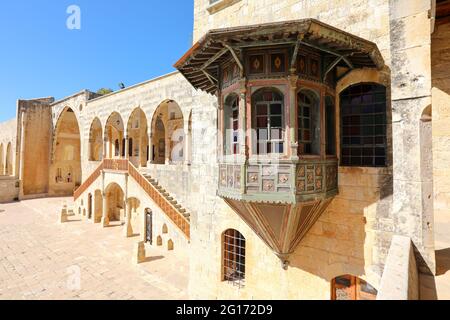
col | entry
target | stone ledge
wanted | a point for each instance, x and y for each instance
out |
(400, 280)
(220, 5)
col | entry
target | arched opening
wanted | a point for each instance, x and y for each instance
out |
(170, 246)
(168, 134)
(137, 132)
(96, 141)
(268, 122)
(9, 161)
(149, 226)
(349, 287)
(66, 166)
(114, 134)
(231, 124)
(2, 160)
(233, 252)
(134, 214)
(165, 230)
(159, 241)
(98, 206)
(115, 202)
(308, 123)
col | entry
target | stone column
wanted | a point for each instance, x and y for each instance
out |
(187, 144)
(105, 217)
(150, 149)
(105, 147)
(127, 147)
(128, 230)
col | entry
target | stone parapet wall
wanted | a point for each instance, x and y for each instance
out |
(400, 279)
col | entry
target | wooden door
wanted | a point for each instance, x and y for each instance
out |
(352, 288)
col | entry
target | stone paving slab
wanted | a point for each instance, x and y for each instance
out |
(41, 259)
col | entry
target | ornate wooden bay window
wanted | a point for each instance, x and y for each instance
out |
(278, 168)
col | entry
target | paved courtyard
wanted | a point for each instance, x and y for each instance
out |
(41, 259)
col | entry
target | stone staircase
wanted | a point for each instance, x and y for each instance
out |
(167, 196)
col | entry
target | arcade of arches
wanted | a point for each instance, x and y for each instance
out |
(165, 143)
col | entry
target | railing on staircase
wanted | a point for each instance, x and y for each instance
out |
(94, 176)
(169, 209)
(125, 166)
(116, 164)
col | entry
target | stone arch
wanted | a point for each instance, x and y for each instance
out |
(9, 160)
(66, 170)
(165, 230)
(96, 141)
(114, 135)
(168, 134)
(159, 241)
(98, 206)
(138, 141)
(170, 246)
(2, 160)
(115, 202)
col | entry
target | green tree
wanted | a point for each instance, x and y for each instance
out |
(104, 91)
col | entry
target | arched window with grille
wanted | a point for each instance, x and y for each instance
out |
(234, 257)
(268, 121)
(231, 124)
(363, 125)
(308, 123)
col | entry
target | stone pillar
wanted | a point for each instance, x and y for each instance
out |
(105, 217)
(139, 253)
(128, 229)
(127, 147)
(187, 144)
(411, 94)
(293, 141)
(150, 149)
(105, 147)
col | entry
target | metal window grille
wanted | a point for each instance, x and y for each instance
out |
(363, 126)
(234, 258)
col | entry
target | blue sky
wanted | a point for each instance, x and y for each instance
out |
(119, 41)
